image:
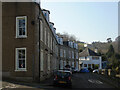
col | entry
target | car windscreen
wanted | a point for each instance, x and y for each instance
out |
(66, 74)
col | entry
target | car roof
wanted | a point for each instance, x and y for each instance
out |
(63, 71)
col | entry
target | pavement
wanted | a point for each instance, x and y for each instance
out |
(7, 84)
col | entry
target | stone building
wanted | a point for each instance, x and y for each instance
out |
(30, 46)
(31, 50)
(68, 54)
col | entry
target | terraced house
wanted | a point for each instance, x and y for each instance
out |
(68, 54)
(30, 45)
(31, 49)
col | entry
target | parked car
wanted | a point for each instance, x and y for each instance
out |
(72, 69)
(68, 69)
(96, 71)
(84, 70)
(62, 77)
(76, 70)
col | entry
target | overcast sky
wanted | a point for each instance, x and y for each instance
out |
(88, 21)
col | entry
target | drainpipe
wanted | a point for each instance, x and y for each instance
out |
(39, 19)
(39, 44)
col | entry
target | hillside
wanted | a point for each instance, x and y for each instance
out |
(102, 47)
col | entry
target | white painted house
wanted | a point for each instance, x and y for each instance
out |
(89, 59)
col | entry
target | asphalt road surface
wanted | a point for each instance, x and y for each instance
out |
(86, 80)
(79, 80)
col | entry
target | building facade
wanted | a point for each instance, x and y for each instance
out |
(68, 54)
(90, 60)
(30, 47)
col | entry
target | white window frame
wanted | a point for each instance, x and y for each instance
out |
(16, 61)
(72, 54)
(64, 53)
(69, 54)
(76, 64)
(64, 64)
(41, 60)
(69, 62)
(49, 62)
(76, 55)
(73, 65)
(54, 46)
(17, 27)
(61, 64)
(41, 30)
(45, 36)
(61, 52)
(51, 43)
(48, 39)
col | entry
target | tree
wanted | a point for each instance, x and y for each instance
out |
(117, 55)
(104, 58)
(110, 51)
(114, 62)
(96, 66)
(67, 36)
(109, 40)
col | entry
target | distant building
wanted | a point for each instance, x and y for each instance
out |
(68, 54)
(89, 59)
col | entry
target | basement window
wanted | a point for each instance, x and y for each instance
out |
(20, 59)
(21, 27)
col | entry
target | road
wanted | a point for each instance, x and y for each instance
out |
(88, 80)
(79, 80)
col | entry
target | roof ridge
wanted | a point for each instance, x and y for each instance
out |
(82, 51)
(88, 52)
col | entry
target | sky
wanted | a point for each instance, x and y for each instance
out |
(88, 21)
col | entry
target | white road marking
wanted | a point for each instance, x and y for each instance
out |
(95, 81)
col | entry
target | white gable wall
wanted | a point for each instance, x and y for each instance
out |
(89, 60)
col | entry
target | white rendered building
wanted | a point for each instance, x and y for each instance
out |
(89, 59)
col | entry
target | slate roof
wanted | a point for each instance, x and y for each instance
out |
(88, 52)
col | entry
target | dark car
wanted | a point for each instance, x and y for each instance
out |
(84, 70)
(62, 77)
(68, 69)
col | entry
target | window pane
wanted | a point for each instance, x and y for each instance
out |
(22, 23)
(23, 53)
(19, 54)
(21, 63)
(23, 31)
(20, 31)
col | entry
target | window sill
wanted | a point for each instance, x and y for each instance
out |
(21, 36)
(20, 70)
